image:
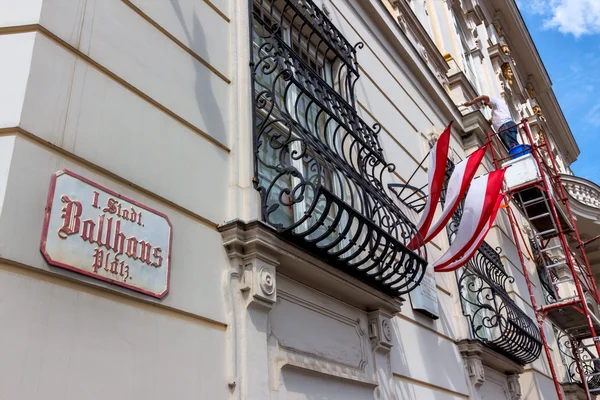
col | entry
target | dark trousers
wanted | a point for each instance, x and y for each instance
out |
(509, 136)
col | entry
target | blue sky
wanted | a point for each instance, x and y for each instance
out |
(567, 36)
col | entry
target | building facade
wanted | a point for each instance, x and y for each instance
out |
(259, 151)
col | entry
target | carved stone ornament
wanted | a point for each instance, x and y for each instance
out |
(475, 370)
(507, 73)
(249, 253)
(530, 92)
(505, 49)
(537, 110)
(380, 330)
(514, 388)
(259, 280)
(498, 28)
(267, 281)
(541, 137)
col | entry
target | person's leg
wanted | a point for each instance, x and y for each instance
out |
(509, 136)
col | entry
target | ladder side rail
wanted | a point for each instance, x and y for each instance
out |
(566, 202)
(540, 319)
(547, 263)
(565, 245)
(584, 382)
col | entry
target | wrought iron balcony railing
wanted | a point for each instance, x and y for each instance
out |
(308, 31)
(318, 166)
(546, 276)
(587, 360)
(494, 317)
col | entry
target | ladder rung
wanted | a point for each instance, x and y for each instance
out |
(550, 248)
(594, 374)
(546, 232)
(555, 264)
(594, 390)
(569, 298)
(534, 201)
(539, 216)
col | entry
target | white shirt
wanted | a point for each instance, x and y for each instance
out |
(500, 113)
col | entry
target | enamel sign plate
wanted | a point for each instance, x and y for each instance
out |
(94, 231)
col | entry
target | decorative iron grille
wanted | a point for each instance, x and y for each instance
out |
(494, 317)
(319, 167)
(587, 360)
(547, 277)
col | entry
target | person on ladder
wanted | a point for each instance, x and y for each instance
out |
(501, 120)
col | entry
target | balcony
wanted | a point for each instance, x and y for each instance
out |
(587, 360)
(585, 205)
(495, 319)
(319, 168)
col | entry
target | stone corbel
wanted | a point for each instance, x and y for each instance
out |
(381, 336)
(475, 370)
(472, 357)
(256, 264)
(514, 387)
(476, 355)
(380, 331)
(258, 281)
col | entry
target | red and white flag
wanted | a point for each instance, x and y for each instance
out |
(457, 187)
(437, 170)
(471, 251)
(478, 207)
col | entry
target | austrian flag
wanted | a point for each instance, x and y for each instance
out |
(481, 204)
(437, 169)
(457, 187)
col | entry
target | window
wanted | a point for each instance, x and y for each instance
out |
(466, 56)
(318, 165)
(311, 211)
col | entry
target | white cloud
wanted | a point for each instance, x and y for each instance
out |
(593, 115)
(576, 17)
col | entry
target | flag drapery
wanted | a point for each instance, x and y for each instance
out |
(437, 170)
(473, 248)
(457, 187)
(480, 203)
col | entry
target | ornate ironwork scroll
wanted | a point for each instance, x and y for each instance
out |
(494, 317)
(319, 167)
(545, 275)
(587, 360)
